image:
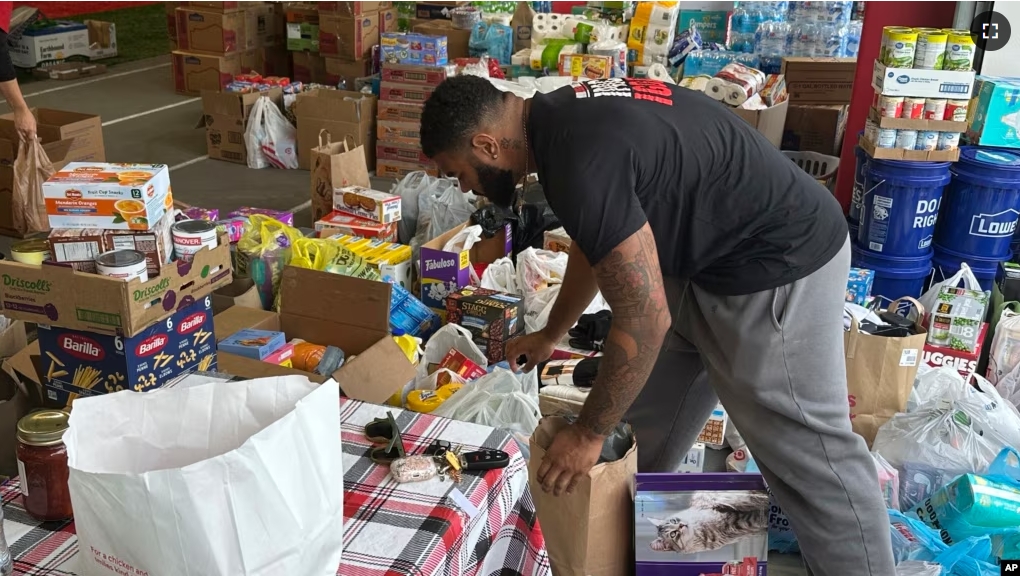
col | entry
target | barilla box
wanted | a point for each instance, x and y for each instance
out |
(60, 296)
(952, 84)
(714, 431)
(76, 363)
(108, 196)
(399, 132)
(413, 49)
(455, 361)
(994, 115)
(408, 74)
(556, 240)
(389, 111)
(858, 285)
(441, 272)
(366, 203)
(401, 152)
(283, 356)
(957, 319)
(963, 362)
(251, 343)
(486, 313)
(694, 461)
(340, 223)
(663, 507)
(412, 93)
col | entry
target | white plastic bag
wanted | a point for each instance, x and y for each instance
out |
(201, 480)
(270, 139)
(501, 276)
(964, 277)
(432, 381)
(1009, 386)
(451, 209)
(918, 568)
(1005, 352)
(540, 269)
(410, 189)
(464, 240)
(499, 399)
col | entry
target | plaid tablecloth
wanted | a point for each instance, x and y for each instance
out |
(484, 526)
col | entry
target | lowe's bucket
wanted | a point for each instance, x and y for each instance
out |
(981, 205)
(860, 167)
(947, 262)
(900, 206)
(895, 277)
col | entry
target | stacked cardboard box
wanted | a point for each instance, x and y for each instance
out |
(344, 115)
(226, 116)
(303, 42)
(403, 92)
(348, 32)
(216, 40)
(820, 90)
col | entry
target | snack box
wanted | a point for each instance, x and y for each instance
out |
(57, 295)
(858, 285)
(401, 152)
(714, 431)
(494, 350)
(387, 111)
(283, 356)
(80, 246)
(98, 195)
(588, 66)
(413, 49)
(339, 223)
(486, 313)
(387, 258)
(410, 93)
(399, 170)
(251, 343)
(400, 132)
(77, 363)
(410, 74)
(367, 203)
(663, 505)
(459, 364)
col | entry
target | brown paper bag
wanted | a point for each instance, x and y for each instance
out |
(31, 168)
(335, 165)
(880, 372)
(586, 532)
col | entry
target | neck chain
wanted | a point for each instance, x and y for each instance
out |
(527, 161)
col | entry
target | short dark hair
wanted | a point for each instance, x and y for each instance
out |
(457, 107)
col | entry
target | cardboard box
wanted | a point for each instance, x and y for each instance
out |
(815, 129)
(350, 9)
(54, 125)
(908, 124)
(57, 152)
(194, 73)
(69, 71)
(587, 66)
(361, 202)
(267, 26)
(414, 48)
(993, 112)
(443, 273)
(14, 402)
(302, 28)
(351, 38)
(171, 22)
(340, 223)
(81, 364)
(340, 72)
(457, 41)
(108, 196)
(51, 45)
(912, 155)
(378, 367)
(436, 10)
(411, 74)
(950, 84)
(269, 61)
(102, 39)
(398, 170)
(227, 6)
(487, 314)
(389, 20)
(556, 240)
(342, 113)
(59, 296)
(399, 132)
(79, 247)
(226, 116)
(400, 111)
(819, 80)
(769, 122)
(401, 152)
(309, 67)
(212, 32)
(241, 292)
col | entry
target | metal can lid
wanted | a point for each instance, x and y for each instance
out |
(31, 246)
(120, 258)
(193, 226)
(43, 428)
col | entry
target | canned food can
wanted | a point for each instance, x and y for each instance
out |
(927, 140)
(190, 236)
(886, 138)
(906, 139)
(930, 51)
(960, 50)
(956, 110)
(898, 46)
(34, 251)
(124, 265)
(890, 106)
(949, 140)
(913, 108)
(934, 108)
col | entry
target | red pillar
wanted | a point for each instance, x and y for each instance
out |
(876, 16)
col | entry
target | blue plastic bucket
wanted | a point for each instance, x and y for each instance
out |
(947, 262)
(895, 277)
(859, 169)
(900, 206)
(981, 204)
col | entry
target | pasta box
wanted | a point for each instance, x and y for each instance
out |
(486, 313)
(701, 524)
(75, 363)
(443, 272)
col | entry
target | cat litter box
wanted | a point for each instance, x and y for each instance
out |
(701, 525)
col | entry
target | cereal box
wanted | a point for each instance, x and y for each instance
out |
(77, 363)
(108, 196)
(251, 343)
(339, 223)
(366, 203)
(858, 286)
(486, 313)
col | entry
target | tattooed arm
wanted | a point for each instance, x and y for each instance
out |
(631, 282)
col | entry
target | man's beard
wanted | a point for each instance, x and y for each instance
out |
(497, 185)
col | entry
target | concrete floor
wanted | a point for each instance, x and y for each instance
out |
(145, 121)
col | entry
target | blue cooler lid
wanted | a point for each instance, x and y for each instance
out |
(997, 159)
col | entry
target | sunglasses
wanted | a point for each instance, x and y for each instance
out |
(383, 432)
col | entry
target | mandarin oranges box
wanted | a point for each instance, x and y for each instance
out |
(99, 195)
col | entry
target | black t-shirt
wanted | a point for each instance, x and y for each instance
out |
(728, 211)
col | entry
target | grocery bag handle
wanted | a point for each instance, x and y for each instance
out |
(914, 304)
(329, 139)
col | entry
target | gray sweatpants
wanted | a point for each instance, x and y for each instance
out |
(775, 361)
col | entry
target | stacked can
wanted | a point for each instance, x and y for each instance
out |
(927, 48)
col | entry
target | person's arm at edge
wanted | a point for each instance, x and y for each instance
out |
(631, 282)
(10, 90)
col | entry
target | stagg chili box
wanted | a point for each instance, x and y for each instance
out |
(442, 272)
(57, 295)
(486, 313)
(76, 363)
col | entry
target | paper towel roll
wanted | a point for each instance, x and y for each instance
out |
(539, 32)
(659, 72)
(658, 39)
(716, 88)
(662, 15)
(735, 95)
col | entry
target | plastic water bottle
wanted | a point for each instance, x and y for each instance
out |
(6, 565)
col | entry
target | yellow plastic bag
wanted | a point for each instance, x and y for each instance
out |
(265, 247)
(313, 253)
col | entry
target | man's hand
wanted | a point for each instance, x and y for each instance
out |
(24, 123)
(536, 347)
(569, 458)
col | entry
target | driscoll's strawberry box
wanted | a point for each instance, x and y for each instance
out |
(75, 363)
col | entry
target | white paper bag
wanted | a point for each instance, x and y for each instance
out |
(227, 479)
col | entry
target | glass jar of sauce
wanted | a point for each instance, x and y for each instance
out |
(42, 464)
